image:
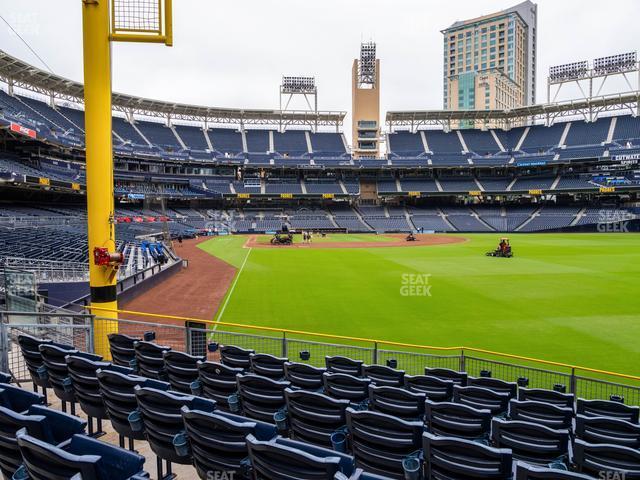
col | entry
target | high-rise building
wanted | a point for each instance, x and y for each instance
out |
(366, 103)
(490, 61)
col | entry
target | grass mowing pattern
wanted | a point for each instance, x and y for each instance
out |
(565, 297)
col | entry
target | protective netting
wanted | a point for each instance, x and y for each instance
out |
(143, 16)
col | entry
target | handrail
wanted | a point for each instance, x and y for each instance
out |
(369, 340)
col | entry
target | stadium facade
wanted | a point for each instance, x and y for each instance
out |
(490, 61)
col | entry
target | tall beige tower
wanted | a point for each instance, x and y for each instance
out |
(366, 103)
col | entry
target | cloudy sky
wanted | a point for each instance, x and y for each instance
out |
(232, 53)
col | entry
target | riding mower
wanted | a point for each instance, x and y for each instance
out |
(503, 250)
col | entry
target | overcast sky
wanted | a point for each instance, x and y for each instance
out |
(232, 53)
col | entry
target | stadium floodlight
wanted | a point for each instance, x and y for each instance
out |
(569, 71)
(292, 84)
(367, 64)
(620, 63)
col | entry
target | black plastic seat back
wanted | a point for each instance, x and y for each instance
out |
(481, 398)
(5, 377)
(547, 396)
(436, 389)
(456, 420)
(606, 408)
(274, 461)
(383, 376)
(607, 430)
(53, 357)
(495, 384)
(121, 347)
(218, 381)
(546, 414)
(80, 457)
(348, 366)
(118, 394)
(455, 458)
(595, 458)
(380, 442)
(82, 372)
(397, 401)
(149, 361)
(313, 417)
(530, 442)
(217, 440)
(18, 400)
(303, 376)
(459, 378)
(524, 471)
(235, 357)
(181, 369)
(260, 397)
(267, 365)
(48, 425)
(161, 416)
(346, 387)
(30, 349)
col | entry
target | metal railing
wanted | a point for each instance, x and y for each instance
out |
(194, 335)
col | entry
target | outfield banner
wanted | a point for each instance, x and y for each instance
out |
(535, 191)
(244, 195)
(414, 194)
(75, 186)
(607, 189)
(328, 195)
(475, 193)
(23, 130)
(286, 195)
(44, 181)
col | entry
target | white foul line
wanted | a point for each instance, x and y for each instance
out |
(233, 285)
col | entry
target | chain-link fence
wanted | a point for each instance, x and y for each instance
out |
(88, 333)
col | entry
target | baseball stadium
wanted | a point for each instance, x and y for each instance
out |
(191, 291)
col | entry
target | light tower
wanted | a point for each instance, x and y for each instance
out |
(366, 103)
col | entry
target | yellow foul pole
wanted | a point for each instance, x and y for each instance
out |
(99, 157)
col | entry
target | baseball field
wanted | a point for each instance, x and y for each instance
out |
(572, 298)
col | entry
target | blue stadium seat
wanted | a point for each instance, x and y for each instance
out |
(482, 399)
(88, 457)
(18, 400)
(149, 360)
(606, 408)
(397, 401)
(30, 349)
(455, 458)
(235, 357)
(260, 397)
(303, 376)
(181, 369)
(346, 387)
(5, 377)
(118, 394)
(217, 381)
(436, 389)
(159, 415)
(344, 365)
(547, 396)
(455, 420)
(495, 384)
(593, 459)
(546, 414)
(524, 471)
(281, 458)
(43, 423)
(267, 365)
(217, 440)
(313, 417)
(84, 381)
(381, 442)
(55, 364)
(609, 430)
(382, 375)
(121, 348)
(459, 378)
(531, 442)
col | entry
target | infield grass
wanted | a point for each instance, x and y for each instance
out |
(572, 298)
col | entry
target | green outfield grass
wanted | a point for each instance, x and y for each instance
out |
(572, 298)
